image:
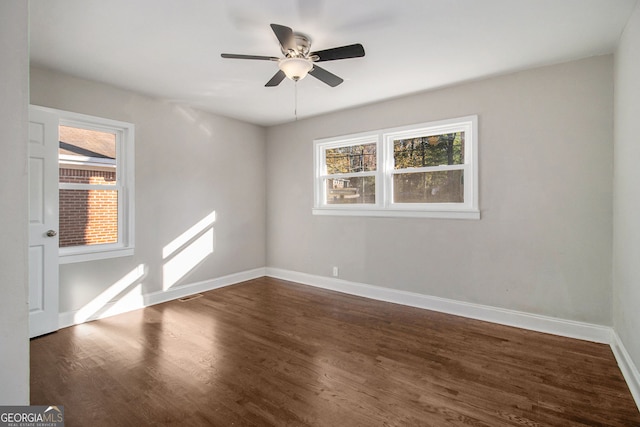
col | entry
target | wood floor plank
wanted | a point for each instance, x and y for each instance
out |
(270, 352)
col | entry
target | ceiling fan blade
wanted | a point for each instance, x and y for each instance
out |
(276, 79)
(284, 35)
(234, 56)
(343, 52)
(325, 76)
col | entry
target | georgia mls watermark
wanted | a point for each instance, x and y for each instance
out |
(31, 416)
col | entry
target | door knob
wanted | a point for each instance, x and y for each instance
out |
(51, 233)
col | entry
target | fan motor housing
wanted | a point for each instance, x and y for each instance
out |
(302, 46)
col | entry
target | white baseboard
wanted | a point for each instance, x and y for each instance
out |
(628, 368)
(113, 308)
(534, 322)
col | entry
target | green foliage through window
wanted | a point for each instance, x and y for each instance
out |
(427, 151)
(429, 187)
(352, 158)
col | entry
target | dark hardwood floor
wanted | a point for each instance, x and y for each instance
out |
(270, 352)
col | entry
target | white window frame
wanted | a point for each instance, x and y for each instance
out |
(125, 185)
(384, 205)
(321, 166)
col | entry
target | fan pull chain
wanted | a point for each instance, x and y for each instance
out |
(295, 101)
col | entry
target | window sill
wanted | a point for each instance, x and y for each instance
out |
(70, 256)
(399, 213)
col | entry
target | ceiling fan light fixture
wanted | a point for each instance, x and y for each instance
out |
(298, 59)
(295, 68)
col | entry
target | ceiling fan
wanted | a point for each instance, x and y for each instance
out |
(298, 60)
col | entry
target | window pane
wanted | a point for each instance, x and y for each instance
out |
(429, 187)
(87, 156)
(435, 150)
(356, 190)
(88, 217)
(354, 158)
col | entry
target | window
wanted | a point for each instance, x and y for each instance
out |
(95, 187)
(350, 173)
(424, 170)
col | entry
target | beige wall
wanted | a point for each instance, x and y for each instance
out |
(626, 241)
(543, 244)
(188, 164)
(14, 95)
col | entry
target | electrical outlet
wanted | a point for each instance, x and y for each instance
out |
(335, 271)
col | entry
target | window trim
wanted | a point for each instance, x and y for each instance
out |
(384, 206)
(125, 185)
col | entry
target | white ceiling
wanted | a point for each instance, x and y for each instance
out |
(171, 49)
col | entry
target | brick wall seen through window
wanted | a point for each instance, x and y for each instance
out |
(88, 215)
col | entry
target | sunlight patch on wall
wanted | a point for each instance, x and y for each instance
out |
(132, 300)
(193, 117)
(185, 237)
(99, 304)
(187, 251)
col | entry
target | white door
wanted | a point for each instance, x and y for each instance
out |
(43, 222)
